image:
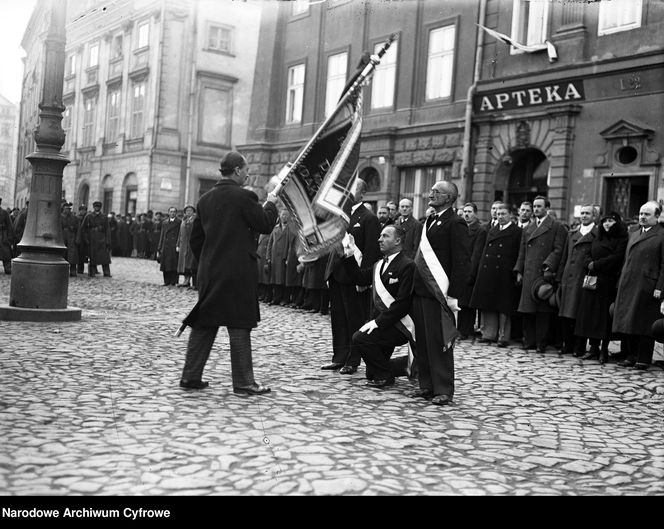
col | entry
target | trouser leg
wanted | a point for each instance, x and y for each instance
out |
(489, 325)
(242, 367)
(106, 269)
(542, 328)
(376, 349)
(504, 327)
(466, 324)
(646, 348)
(199, 346)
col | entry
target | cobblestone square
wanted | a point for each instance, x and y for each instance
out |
(94, 408)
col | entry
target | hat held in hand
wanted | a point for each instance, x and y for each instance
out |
(542, 289)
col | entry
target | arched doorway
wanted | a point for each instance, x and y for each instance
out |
(83, 194)
(130, 194)
(528, 171)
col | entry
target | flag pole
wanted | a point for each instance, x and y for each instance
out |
(284, 174)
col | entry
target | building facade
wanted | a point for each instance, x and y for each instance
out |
(155, 92)
(8, 135)
(587, 128)
(414, 108)
(579, 120)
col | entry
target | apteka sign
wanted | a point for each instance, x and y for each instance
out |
(565, 91)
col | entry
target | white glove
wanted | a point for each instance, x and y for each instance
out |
(453, 303)
(369, 326)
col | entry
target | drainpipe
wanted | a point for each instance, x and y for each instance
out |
(466, 171)
(155, 130)
(192, 98)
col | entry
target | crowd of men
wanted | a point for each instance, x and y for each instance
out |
(93, 237)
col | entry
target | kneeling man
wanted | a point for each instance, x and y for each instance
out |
(392, 279)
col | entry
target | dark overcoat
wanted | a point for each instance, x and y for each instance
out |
(293, 277)
(277, 252)
(593, 319)
(186, 259)
(476, 240)
(263, 274)
(70, 226)
(643, 272)
(313, 275)
(223, 239)
(96, 233)
(540, 245)
(168, 241)
(494, 289)
(6, 236)
(413, 229)
(572, 270)
(124, 238)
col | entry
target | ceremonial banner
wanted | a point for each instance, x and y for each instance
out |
(317, 187)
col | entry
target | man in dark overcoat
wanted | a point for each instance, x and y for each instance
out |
(294, 291)
(70, 226)
(410, 225)
(541, 250)
(349, 303)
(277, 255)
(443, 265)
(19, 228)
(224, 239)
(96, 232)
(264, 289)
(476, 239)
(82, 247)
(495, 293)
(167, 247)
(6, 240)
(576, 256)
(639, 300)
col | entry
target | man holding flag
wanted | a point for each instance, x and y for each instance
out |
(442, 265)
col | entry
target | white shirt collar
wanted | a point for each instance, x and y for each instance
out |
(585, 229)
(505, 226)
(646, 228)
(352, 209)
(390, 258)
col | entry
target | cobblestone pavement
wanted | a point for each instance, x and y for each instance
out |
(94, 408)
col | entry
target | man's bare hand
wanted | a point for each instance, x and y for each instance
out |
(369, 326)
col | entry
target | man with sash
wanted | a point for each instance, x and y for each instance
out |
(391, 326)
(442, 266)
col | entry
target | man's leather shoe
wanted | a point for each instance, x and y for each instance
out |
(424, 393)
(332, 367)
(441, 400)
(641, 366)
(502, 343)
(381, 382)
(484, 340)
(193, 384)
(347, 370)
(627, 363)
(254, 389)
(590, 355)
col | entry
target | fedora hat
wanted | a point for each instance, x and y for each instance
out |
(542, 289)
(658, 330)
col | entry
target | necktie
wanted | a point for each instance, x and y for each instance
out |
(383, 265)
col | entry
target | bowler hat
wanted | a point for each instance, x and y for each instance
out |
(658, 330)
(542, 289)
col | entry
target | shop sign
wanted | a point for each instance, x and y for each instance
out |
(566, 91)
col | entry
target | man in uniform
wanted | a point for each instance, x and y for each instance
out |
(97, 234)
(70, 225)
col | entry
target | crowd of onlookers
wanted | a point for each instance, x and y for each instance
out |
(92, 237)
(534, 281)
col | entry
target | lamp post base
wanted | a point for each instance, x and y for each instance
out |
(8, 313)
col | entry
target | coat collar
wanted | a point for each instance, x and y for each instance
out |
(496, 233)
(542, 228)
(636, 238)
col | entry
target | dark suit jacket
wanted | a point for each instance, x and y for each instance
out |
(398, 280)
(365, 228)
(413, 229)
(448, 237)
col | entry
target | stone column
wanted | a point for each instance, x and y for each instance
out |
(40, 275)
(562, 124)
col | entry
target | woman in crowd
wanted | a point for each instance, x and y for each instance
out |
(607, 252)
